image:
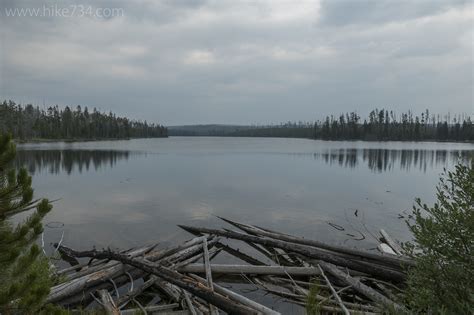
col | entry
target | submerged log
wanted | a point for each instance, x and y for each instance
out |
(172, 277)
(312, 252)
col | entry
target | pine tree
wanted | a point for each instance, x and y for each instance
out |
(24, 271)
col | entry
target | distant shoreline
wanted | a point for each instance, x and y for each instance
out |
(30, 141)
(26, 141)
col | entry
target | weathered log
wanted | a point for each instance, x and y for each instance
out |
(150, 309)
(302, 294)
(386, 249)
(207, 265)
(219, 269)
(172, 277)
(97, 280)
(360, 287)
(239, 298)
(109, 264)
(391, 242)
(136, 292)
(394, 261)
(309, 251)
(240, 255)
(108, 303)
(189, 303)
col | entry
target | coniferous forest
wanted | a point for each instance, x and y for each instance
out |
(381, 125)
(30, 122)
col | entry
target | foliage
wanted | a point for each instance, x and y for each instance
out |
(24, 272)
(31, 122)
(443, 279)
(380, 125)
(312, 303)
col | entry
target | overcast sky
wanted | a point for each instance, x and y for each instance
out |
(186, 62)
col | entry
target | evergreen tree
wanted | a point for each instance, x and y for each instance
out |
(24, 272)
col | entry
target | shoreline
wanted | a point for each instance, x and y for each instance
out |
(29, 141)
(37, 141)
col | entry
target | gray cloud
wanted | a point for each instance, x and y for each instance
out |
(243, 62)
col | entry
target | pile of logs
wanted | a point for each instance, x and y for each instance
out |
(182, 279)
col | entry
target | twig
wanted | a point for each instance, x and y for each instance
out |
(336, 296)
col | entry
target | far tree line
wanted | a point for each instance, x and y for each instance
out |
(379, 125)
(31, 122)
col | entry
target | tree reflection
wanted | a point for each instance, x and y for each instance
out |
(381, 160)
(56, 161)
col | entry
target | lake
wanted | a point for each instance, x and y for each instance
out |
(126, 193)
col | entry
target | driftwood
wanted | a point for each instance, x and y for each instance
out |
(240, 299)
(360, 287)
(336, 296)
(160, 309)
(348, 280)
(172, 277)
(108, 303)
(116, 271)
(312, 252)
(393, 261)
(394, 245)
(251, 270)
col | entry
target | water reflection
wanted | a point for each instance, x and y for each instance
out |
(376, 159)
(56, 161)
(381, 160)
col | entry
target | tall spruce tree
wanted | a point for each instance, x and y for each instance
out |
(24, 271)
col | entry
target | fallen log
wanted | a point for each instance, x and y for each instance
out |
(360, 287)
(239, 298)
(394, 245)
(65, 292)
(240, 255)
(394, 261)
(135, 292)
(309, 251)
(172, 277)
(219, 269)
(159, 309)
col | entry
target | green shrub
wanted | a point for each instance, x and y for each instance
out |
(443, 279)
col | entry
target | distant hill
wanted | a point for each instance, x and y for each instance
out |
(206, 130)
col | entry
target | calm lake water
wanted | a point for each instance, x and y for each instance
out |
(125, 193)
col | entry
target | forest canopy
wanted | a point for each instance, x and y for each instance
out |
(31, 122)
(379, 125)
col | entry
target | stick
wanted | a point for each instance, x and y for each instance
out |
(336, 296)
(108, 303)
(189, 303)
(207, 265)
(360, 287)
